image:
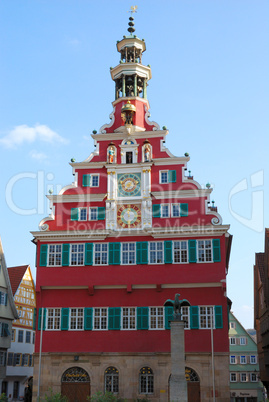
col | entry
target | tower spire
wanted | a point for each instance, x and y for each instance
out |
(131, 28)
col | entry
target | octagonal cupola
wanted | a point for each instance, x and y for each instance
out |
(130, 75)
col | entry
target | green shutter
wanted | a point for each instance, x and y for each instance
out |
(34, 320)
(156, 211)
(216, 250)
(142, 252)
(43, 255)
(101, 213)
(88, 253)
(114, 317)
(65, 319)
(218, 317)
(86, 181)
(183, 209)
(87, 318)
(65, 255)
(142, 314)
(172, 176)
(168, 258)
(169, 310)
(74, 214)
(192, 250)
(39, 319)
(114, 253)
(194, 317)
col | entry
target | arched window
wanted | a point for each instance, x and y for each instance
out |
(75, 374)
(191, 375)
(146, 381)
(112, 380)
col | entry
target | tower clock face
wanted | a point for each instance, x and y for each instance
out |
(129, 184)
(129, 216)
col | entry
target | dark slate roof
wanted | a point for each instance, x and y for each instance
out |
(15, 275)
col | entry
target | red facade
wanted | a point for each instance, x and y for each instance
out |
(131, 232)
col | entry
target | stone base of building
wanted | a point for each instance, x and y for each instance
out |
(54, 365)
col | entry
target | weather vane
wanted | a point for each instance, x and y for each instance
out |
(133, 9)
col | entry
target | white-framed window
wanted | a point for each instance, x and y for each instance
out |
(3, 298)
(33, 338)
(28, 337)
(243, 377)
(20, 335)
(164, 176)
(243, 360)
(180, 250)
(232, 340)
(146, 381)
(55, 254)
(128, 317)
(53, 319)
(112, 380)
(165, 210)
(233, 377)
(156, 252)
(82, 214)
(253, 359)
(100, 318)
(185, 315)
(204, 249)
(76, 318)
(128, 253)
(253, 377)
(77, 254)
(13, 335)
(17, 359)
(100, 254)
(156, 318)
(10, 357)
(243, 340)
(93, 213)
(25, 359)
(232, 359)
(175, 210)
(232, 325)
(206, 316)
(2, 358)
(94, 180)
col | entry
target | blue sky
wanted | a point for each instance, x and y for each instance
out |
(209, 86)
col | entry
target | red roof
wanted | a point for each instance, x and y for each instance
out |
(15, 276)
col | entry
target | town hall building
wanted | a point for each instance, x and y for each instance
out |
(131, 231)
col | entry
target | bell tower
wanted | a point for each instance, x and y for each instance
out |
(130, 75)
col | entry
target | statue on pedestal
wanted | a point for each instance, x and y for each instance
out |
(177, 304)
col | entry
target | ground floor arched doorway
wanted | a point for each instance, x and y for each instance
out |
(193, 385)
(75, 384)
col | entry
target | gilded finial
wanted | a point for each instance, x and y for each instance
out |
(133, 9)
(131, 28)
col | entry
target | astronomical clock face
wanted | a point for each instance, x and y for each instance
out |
(129, 184)
(129, 216)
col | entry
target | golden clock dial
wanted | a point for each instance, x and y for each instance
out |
(129, 216)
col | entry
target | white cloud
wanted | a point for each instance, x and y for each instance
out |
(38, 155)
(24, 133)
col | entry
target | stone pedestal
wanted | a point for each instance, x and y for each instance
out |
(178, 383)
